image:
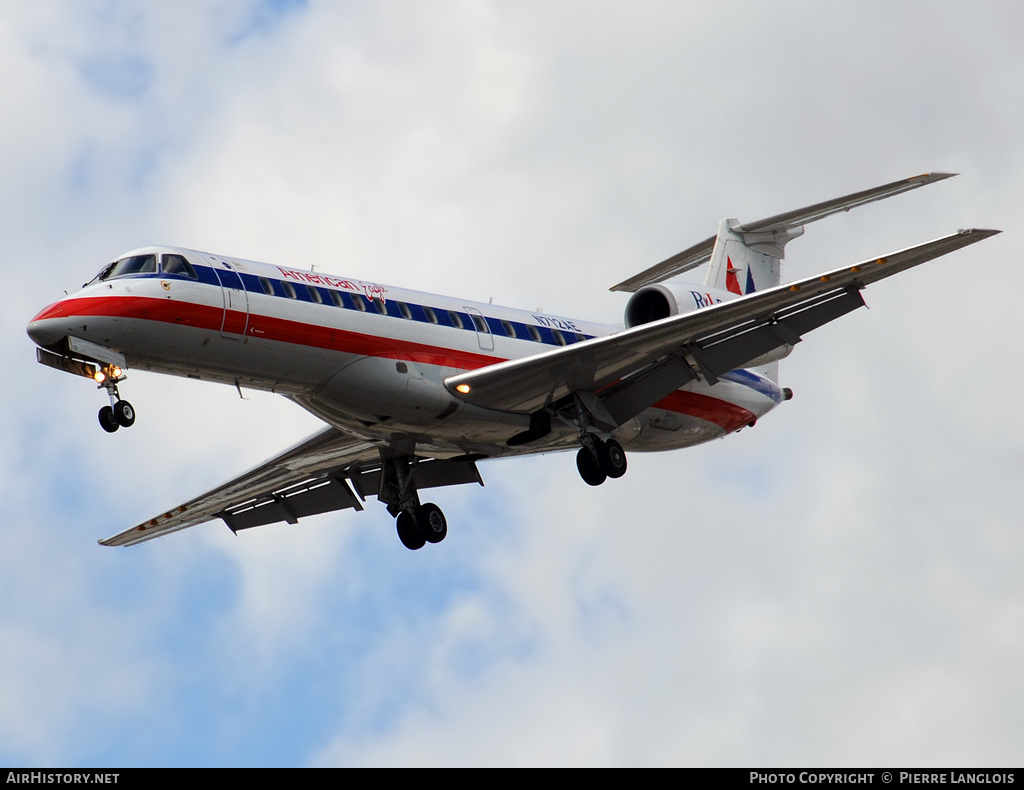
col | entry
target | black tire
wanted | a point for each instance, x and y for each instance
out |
(612, 458)
(124, 413)
(408, 532)
(432, 523)
(589, 468)
(107, 419)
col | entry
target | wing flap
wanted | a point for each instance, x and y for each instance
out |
(718, 338)
(737, 349)
(321, 495)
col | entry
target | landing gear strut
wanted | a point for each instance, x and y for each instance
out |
(416, 524)
(120, 413)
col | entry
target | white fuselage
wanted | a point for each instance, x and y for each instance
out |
(367, 358)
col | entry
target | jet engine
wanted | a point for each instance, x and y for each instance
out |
(654, 302)
(661, 300)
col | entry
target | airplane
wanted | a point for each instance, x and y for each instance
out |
(416, 388)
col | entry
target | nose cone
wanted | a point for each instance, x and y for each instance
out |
(50, 325)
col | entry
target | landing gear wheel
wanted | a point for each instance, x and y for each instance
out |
(589, 468)
(432, 523)
(612, 458)
(408, 532)
(124, 413)
(107, 419)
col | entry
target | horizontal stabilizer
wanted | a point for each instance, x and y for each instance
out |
(802, 216)
(698, 254)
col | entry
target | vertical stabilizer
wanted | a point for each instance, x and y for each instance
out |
(744, 262)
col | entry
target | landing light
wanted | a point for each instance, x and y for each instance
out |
(99, 376)
(463, 388)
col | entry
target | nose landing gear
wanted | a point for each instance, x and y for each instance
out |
(120, 413)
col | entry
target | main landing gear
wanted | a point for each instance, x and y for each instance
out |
(120, 413)
(598, 460)
(425, 524)
(417, 524)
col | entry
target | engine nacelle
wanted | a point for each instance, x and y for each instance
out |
(654, 302)
(661, 300)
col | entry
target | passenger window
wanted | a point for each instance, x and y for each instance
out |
(268, 287)
(336, 298)
(403, 308)
(314, 294)
(510, 330)
(381, 307)
(479, 323)
(359, 303)
(176, 264)
(289, 289)
(455, 318)
(430, 314)
(559, 338)
(534, 334)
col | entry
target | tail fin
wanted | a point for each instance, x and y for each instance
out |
(747, 261)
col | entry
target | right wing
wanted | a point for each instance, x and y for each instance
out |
(633, 369)
(315, 476)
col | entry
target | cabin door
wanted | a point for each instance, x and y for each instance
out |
(236, 301)
(483, 331)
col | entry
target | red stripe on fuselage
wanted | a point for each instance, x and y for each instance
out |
(726, 415)
(722, 413)
(266, 328)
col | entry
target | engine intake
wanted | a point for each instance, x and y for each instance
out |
(661, 300)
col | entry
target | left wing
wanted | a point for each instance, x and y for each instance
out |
(315, 476)
(647, 362)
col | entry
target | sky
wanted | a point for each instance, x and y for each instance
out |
(839, 586)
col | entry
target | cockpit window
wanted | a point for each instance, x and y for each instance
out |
(176, 264)
(134, 264)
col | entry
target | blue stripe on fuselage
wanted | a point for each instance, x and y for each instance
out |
(760, 384)
(253, 285)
